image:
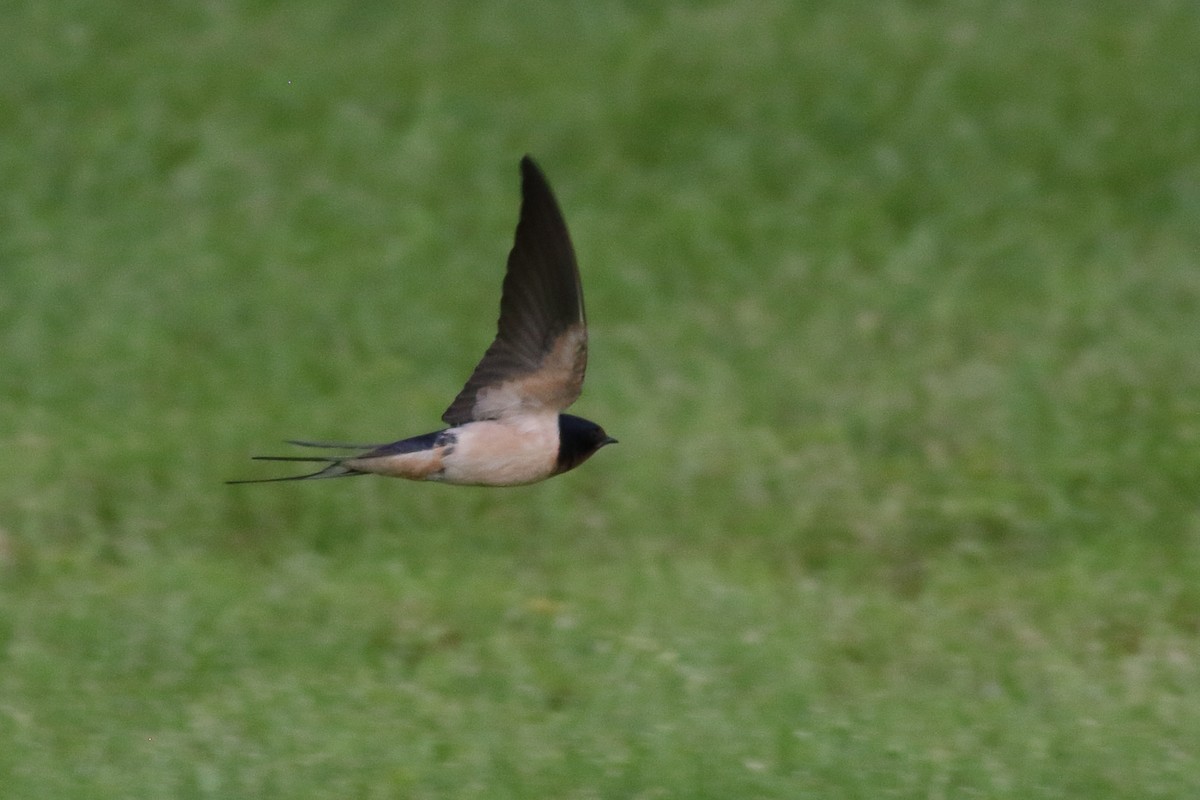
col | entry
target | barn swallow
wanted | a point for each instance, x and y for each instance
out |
(506, 425)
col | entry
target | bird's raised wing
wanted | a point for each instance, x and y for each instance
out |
(538, 358)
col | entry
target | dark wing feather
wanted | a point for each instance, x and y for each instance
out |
(538, 358)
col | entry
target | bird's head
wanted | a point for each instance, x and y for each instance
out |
(578, 439)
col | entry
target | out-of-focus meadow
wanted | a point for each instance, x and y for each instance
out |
(895, 309)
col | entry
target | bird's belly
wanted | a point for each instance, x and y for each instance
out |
(508, 452)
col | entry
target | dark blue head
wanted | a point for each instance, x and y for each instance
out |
(578, 438)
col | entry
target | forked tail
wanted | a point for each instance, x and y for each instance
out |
(335, 468)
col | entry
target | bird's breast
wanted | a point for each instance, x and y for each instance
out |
(505, 452)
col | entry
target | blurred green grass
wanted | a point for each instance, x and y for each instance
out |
(894, 310)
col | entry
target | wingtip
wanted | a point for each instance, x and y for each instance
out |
(530, 168)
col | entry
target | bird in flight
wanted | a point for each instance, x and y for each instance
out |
(506, 425)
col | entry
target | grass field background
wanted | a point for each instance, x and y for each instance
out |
(895, 309)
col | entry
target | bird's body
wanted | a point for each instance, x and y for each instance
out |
(506, 426)
(503, 452)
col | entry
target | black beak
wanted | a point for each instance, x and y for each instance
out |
(607, 440)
